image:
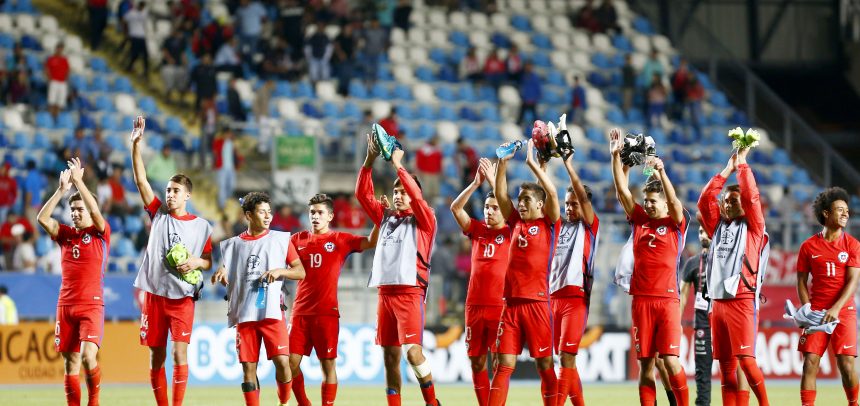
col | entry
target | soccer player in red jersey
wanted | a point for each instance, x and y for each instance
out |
(491, 240)
(832, 257)
(254, 264)
(168, 303)
(80, 308)
(401, 270)
(658, 240)
(314, 324)
(527, 315)
(738, 253)
(570, 283)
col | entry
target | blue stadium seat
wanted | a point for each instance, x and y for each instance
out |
(98, 64)
(540, 59)
(488, 94)
(122, 85)
(445, 93)
(310, 110)
(642, 25)
(491, 113)
(425, 131)
(600, 60)
(598, 80)
(402, 92)
(174, 126)
(500, 40)
(30, 42)
(469, 132)
(21, 140)
(352, 111)
(541, 41)
(467, 113)
(330, 110)
(596, 135)
(109, 122)
(459, 38)
(384, 73)
(148, 106)
(615, 116)
(439, 56)
(283, 89)
(781, 157)
(41, 141)
(156, 142)
(7, 41)
(44, 120)
(78, 82)
(424, 74)
(491, 132)
(380, 91)
(456, 55)
(466, 93)
(304, 89)
(425, 112)
(447, 73)
(521, 22)
(622, 43)
(447, 112)
(555, 78)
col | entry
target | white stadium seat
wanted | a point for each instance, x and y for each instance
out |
(424, 93)
(448, 131)
(125, 104)
(288, 109)
(509, 95)
(48, 24)
(380, 109)
(458, 21)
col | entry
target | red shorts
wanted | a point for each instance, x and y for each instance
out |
(528, 322)
(570, 315)
(400, 320)
(314, 332)
(656, 326)
(482, 326)
(273, 334)
(160, 314)
(734, 327)
(76, 323)
(843, 341)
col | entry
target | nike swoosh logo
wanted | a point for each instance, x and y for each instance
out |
(672, 347)
(815, 256)
(186, 334)
(543, 349)
(569, 344)
(410, 335)
(329, 350)
(301, 248)
(847, 346)
(743, 347)
(92, 336)
(281, 347)
(179, 381)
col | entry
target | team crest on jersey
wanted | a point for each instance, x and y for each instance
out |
(533, 230)
(174, 239)
(661, 230)
(500, 239)
(700, 333)
(727, 238)
(329, 246)
(57, 341)
(253, 262)
(843, 257)
(86, 239)
(803, 339)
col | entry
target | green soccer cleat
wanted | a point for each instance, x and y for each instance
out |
(386, 143)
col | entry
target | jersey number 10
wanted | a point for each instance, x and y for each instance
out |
(489, 250)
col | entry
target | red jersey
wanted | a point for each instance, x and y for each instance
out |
(531, 252)
(8, 191)
(322, 257)
(828, 262)
(657, 246)
(58, 68)
(85, 257)
(490, 249)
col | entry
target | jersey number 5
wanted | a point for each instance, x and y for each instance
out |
(316, 260)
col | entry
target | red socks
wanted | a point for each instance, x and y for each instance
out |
(851, 394)
(807, 397)
(299, 390)
(755, 378)
(72, 383)
(429, 393)
(158, 380)
(679, 388)
(647, 395)
(392, 397)
(499, 387)
(481, 383)
(729, 386)
(569, 385)
(743, 397)
(94, 379)
(284, 391)
(548, 386)
(252, 398)
(329, 392)
(180, 382)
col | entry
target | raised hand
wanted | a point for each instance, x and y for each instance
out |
(76, 169)
(486, 169)
(65, 180)
(741, 156)
(508, 156)
(220, 276)
(137, 132)
(273, 275)
(383, 200)
(615, 141)
(530, 152)
(397, 157)
(657, 163)
(372, 149)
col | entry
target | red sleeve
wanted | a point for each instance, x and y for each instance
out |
(62, 231)
(104, 234)
(351, 241)
(423, 212)
(638, 216)
(853, 254)
(14, 189)
(709, 203)
(595, 225)
(292, 254)
(207, 246)
(473, 228)
(750, 197)
(152, 207)
(365, 195)
(513, 218)
(803, 259)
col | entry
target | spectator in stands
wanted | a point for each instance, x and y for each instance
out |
(278, 62)
(268, 126)
(657, 95)
(694, 97)
(136, 20)
(349, 214)
(466, 159)
(375, 44)
(680, 80)
(203, 77)
(628, 84)
(249, 20)
(122, 8)
(102, 148)
(401, 15)
(428, 163)
(234, 103)
(514, 64)
(228, 60)
(116, 203)
(98, 13)
(34, 185)
(318, 52)
(607, 17)
(160, 168)
(8, 191)
(174, 64)
(18, 89)
(208, 128)
(530, 93)
(390, 124)
(586, 19)
(578, 103)
(470, 67)
(57, 70)
(344, 58)
(652, 69)
(227, 161)
(18, 60)
(24, 258)
(7, 239)
(292, 29)
(83, 146)
(494, 69)
(285, 220)
(8, 311)
(51, 262)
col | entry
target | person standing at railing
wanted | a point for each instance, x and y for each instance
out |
(736, 265)
(315, 320)
(832, 257)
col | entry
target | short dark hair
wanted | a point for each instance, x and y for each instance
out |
(588, 193)
(322, 198)
(733, 188)
(182, 180)
(415, 178)
(77, 196)
(653, 185)
(490, 195)
(538, 190)
(825, 200)
(253, 199)
(3, 290)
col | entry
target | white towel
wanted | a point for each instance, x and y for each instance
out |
(808, 319)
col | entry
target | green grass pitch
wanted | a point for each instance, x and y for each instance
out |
(783, 393)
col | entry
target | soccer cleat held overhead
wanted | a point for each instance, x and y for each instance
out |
(385, 142)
